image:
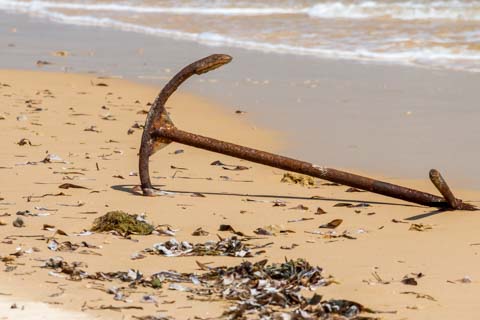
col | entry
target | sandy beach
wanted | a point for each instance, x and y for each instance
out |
(81, 123)
(74, 101)
(382, 118)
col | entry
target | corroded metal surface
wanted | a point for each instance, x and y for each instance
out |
(444, 189)
(159, 130)
(158, 117)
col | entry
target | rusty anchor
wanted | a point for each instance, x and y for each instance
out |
(159, 131)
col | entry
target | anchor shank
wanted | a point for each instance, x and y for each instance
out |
(302, 167)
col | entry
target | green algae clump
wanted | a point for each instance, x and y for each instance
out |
(123, 223)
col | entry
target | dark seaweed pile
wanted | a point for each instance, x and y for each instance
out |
(257, 290)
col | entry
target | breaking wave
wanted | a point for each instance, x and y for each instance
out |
(451, 10)
(407, 10)
(421, 48)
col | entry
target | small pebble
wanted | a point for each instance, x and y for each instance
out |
(19, 223)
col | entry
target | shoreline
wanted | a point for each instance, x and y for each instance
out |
(383, 119)
(211, 38)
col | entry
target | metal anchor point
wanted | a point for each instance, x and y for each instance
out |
(159, 131)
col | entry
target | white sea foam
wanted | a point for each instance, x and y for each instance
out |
(419, 55)
(449, 10)
(184, 10)
(406, 10)
(215, 39)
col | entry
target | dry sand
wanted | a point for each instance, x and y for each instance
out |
(52, 111)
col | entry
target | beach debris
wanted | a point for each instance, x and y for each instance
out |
(60, 194)
(332, 224)
(22, 117)
(24, 142)
(299, 220)
(299, 207)
(137, 256)
(198, 195)
(419, 295)
(320, 211)
(231, 167)
(261, 290)
(57, 232)
(300, 179)
(233, 247)
(200, 232)
(83, 233)
(332, 234)
(465, 279)
(27, 213)
(343, 204)
(161, 317)
(354, 190)
(41, 63)
(18, 223)
(351, 205)
(137, 125)
(99, 84)
(229, 228)
(67, 246)
(378, 279)
(92, 128)
(159, 131)
(177, 168)
(279, 203)
(52, 158)
(61, 53)
(122, 223)
(274, 291)
(420, 227)
(411, 279)
(118, 295)
(272, 230)
(165, 230)
(115, 308)
(39, 208)
(74, 272)
(48, 227)
(236, 168)
(79, 204)
(71, 186)
(148, 299)
(267, 291)
(290, 247)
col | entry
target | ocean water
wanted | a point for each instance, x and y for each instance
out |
(436, 34)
